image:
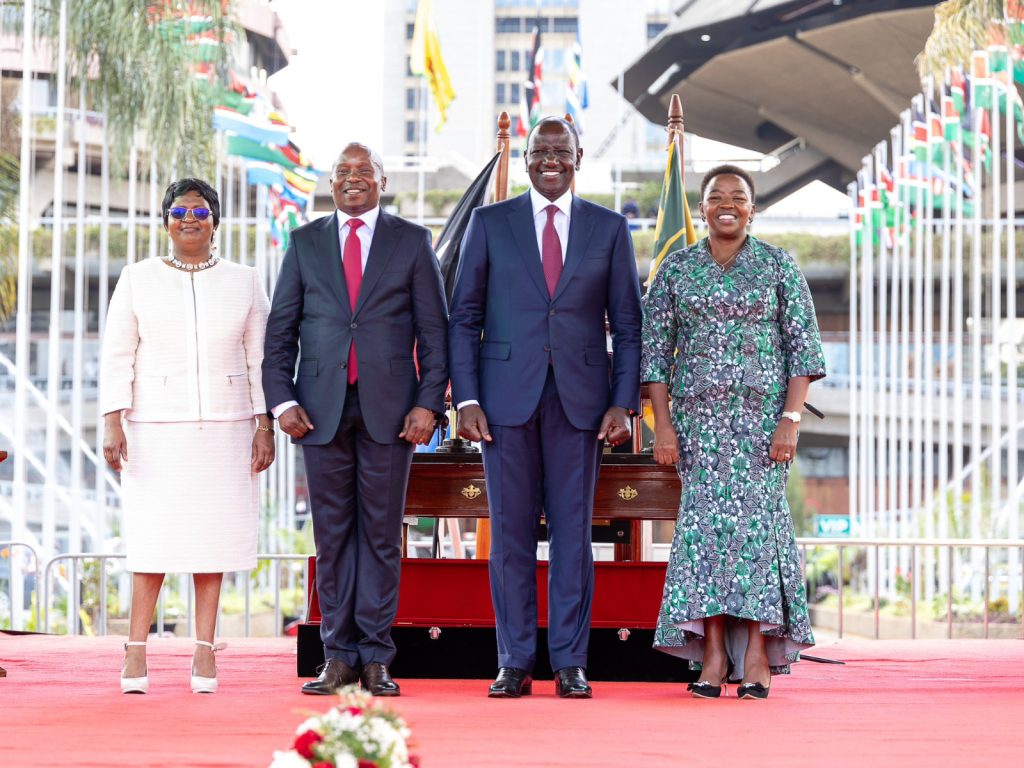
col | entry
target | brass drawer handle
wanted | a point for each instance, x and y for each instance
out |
(628, 493)
(471, 491)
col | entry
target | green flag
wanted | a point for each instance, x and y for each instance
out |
(675, 226)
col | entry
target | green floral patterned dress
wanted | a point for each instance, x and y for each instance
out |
(741, 334)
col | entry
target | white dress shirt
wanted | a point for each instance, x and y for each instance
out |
(365, 235)
(540, 220)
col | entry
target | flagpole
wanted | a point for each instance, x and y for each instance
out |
(941, 512)
(897, 140)
(905, 361)
(958, 358)
(995, 303)
(976, 315)
(853, 507)
(1012, 466)
(78, 339)
(53, 361)
(880, 384)
(421, 171)
(928, 349)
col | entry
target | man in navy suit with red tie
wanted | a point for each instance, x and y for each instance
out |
(358, 291)
(532, 378)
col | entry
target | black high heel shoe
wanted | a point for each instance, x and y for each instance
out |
(753, 691)
(705, 690)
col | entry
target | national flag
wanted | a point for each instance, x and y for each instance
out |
(1006, 94)
(957, 88)
(425, 59)
(260, 172)
(674, 229)
(262, 131)
(935, 132)
(983, 85)
(918, 138)
(951, 130)
(240, 146)
(576, 97)
(530, 93)
(449, 242)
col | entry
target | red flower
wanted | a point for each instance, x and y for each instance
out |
(323, 764)
(367, 764)
(354, 710)
(304, 743)
(414, 761)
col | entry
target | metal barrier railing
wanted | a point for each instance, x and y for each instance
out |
(10, 546)
(74, 591)
(949, 545)
(843, 546)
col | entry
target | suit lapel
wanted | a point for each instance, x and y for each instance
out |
(330, 250)
(580, 230)
(520, 219)
(385, 239)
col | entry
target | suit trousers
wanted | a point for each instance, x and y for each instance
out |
(545, 465)
(357, 493)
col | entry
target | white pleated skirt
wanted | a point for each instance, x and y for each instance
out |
(190, 497)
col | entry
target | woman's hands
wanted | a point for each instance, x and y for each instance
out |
(666, 445)
(263, 445)
(115, 444)
(783, 446)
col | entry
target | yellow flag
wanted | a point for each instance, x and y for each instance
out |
(425, 59)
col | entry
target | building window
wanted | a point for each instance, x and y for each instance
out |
(655, 28)
(409, 29)
(408, 66)
(508, 25)
(499, 61)
(567, 24)
(513, 61)
(515, 153)
(410, 98)
(499, 93)
(410, 131)
(513, 93)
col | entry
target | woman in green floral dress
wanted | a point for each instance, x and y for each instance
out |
(730, 333)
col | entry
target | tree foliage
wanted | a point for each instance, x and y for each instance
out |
(961, 27)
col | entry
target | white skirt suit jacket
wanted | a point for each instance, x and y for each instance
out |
(182, 355)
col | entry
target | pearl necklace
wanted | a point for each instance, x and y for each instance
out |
(186, 267)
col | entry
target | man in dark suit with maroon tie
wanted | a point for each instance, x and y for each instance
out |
(533, 381)
(359, 294)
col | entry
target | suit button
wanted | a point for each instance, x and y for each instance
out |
(343, 364)
(552, 312)
(354, 326)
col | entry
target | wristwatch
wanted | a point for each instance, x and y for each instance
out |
(793, 416)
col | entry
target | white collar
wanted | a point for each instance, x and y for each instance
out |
(369, 219)
(539, 202)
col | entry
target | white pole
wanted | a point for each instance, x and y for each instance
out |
(958, 392)
(927, 355)
(242, 214)
(421, 170)
(103, 287)
(1012, 419)
(229, 215)
(856, 520)
(995, 398)
(154, 203)
(880, 384)
(53, 361)
(75, 528)
(942, 508)
(901, 189)
(909, 514)
(133, 185)
(22, 311)
(977, 310)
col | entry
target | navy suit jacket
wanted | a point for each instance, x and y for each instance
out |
(400, 305)
(504, 326)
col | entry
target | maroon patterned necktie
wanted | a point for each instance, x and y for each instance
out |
(352, 258)
(551, 251)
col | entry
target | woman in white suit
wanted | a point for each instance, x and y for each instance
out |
(185, 421)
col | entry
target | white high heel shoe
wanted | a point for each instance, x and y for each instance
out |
(206, 684)
(135, 684)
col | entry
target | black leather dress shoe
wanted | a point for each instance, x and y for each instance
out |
(511, 683)
(571, 683)
(377, 680)
(335, 675)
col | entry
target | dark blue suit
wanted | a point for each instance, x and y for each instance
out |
(357, 466)
(540, 369)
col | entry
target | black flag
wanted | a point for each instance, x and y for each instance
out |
(449, 242)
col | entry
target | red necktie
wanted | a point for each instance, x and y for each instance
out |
(352, 258)
(551, 251)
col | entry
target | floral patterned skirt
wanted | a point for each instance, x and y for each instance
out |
(734, 549)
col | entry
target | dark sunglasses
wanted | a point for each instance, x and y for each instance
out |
(199, 214)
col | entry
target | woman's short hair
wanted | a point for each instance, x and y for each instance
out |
(731, 170)
(183, 186)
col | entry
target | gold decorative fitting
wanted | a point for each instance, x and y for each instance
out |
(628, 493)
(471, 491)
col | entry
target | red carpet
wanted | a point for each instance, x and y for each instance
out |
(895, 703)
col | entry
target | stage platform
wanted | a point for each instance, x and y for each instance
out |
(894, 703)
